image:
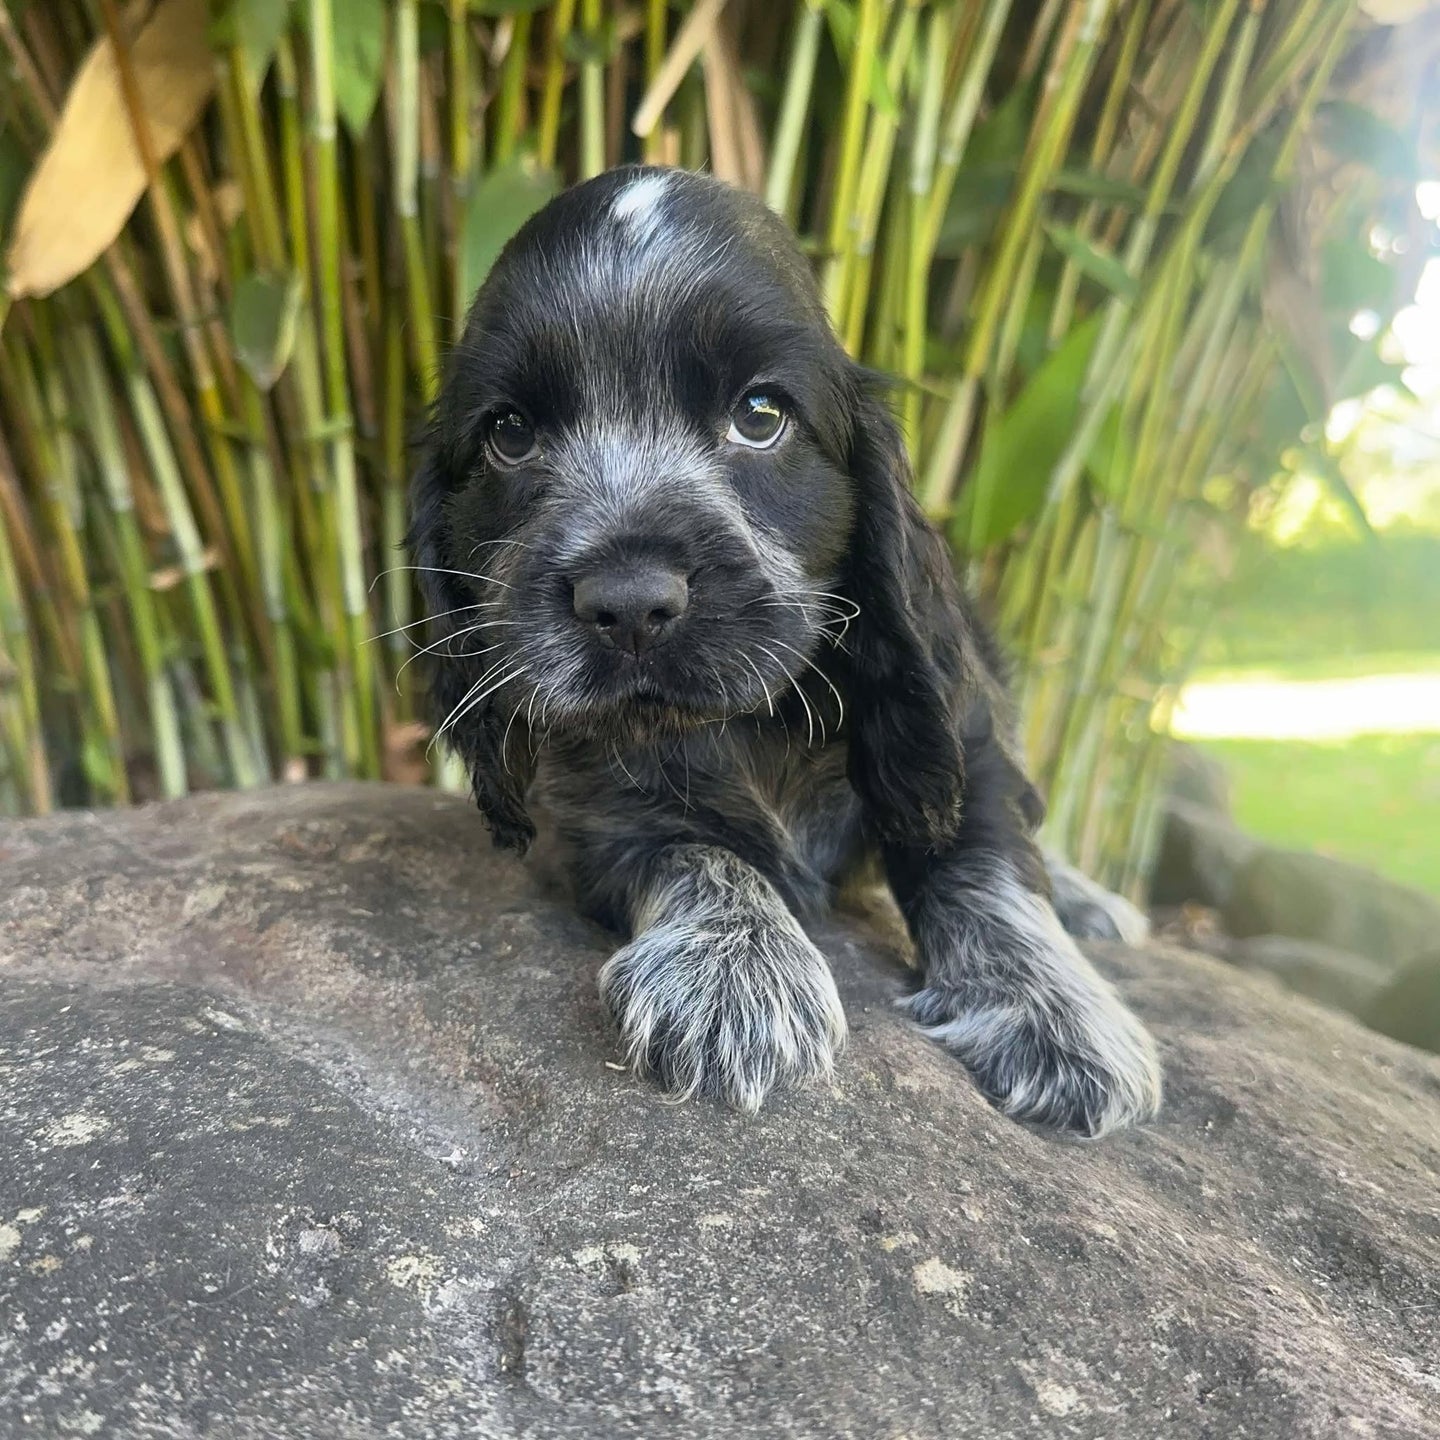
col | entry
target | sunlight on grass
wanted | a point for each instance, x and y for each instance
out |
(1337, 708)
(1336, 756)
(1373, 800)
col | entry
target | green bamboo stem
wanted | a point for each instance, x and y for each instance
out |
(857, 257)
(25, 727)
(562, 23)
(301, 391)
(1067, 288)
(359, 729)
(397, 588)
(1005, 286)
(592, 92)
(462, 148)
(426, 353)
(794, 115)
(510, 103)
(924, 154)
(94, 393)
(656, 32)
(43, 396)
(273, 526)
(859, 67)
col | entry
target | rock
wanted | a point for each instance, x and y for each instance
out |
(1198, 778)
(311, 1125)
(1409, 1007)
(1200, 858)
(1337, 978)
(1312, 897)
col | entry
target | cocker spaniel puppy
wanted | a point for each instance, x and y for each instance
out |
(680, 590)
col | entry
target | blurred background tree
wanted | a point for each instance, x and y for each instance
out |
(1125, 258)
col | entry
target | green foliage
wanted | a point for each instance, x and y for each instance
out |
(255, 26)
(1330, 600)
(1303, 796)
(359, 60)
(263, 319)
(499, 205)
(1056, 225)
(1022, 444)
(1094, 261)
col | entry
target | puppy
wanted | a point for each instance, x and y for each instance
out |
(679, 590)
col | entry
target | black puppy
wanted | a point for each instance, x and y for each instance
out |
(679, 585)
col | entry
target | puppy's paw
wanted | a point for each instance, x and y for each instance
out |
(728, 1012)
(1088, 910)
(1087, 1074)
(1046, 1039)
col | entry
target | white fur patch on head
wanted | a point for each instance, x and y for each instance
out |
(637, 206)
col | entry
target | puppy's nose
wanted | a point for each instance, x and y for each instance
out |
(632, 608)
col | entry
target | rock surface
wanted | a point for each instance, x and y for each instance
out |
(310, 1126)
(1314, 897)
(1338, 978)
(1409, 1007)
(1202, 854)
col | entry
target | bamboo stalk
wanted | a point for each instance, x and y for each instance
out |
(361, 743)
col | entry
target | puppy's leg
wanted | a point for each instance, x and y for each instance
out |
(1008, 991)
(720, 992)
(1088, 910)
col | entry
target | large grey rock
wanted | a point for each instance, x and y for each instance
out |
(1201, 856)
(309, 1127)
(1338, 978)
(1312, 897)
(1198, 778)
(1409, 1006)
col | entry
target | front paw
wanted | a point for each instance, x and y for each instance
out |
(728, 1011)
(1059, 1051)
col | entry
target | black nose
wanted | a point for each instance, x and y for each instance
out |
(634, 607)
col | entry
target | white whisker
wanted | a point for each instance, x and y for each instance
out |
(805, 660)
(804, 699)
(423, 620)
(440, 570)
(764, 688)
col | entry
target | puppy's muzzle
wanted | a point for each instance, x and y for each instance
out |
(634, 606)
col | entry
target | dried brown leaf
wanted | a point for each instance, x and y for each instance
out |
(90, 177)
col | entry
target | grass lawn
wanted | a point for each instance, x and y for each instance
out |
(1373, 799)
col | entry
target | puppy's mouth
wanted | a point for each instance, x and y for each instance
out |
(652, 692)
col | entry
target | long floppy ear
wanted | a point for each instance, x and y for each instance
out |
(907, 646)
(499, 773)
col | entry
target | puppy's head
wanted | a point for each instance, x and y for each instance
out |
(641, 484)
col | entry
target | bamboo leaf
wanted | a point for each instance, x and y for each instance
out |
(92, 153)
(843, 22)
(256, 26)
(263, 317)
(1086, 185)
(499, 205)
(984, 182)
(359, 60)
(1021, 446)
(1099, 264)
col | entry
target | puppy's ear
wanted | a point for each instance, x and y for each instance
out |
(495, 752)
(908, 678)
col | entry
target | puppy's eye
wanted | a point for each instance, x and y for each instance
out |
(758, 421)
(511, 437)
